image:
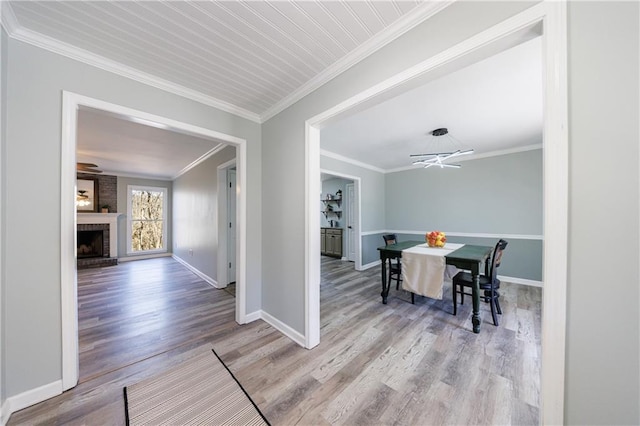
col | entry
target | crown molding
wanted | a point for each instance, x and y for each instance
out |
(421, 13)
(324, 152)
(8, 18)
(498, 153)
(45, 42)
(202, 158)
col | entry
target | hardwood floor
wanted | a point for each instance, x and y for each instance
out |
(376, 364)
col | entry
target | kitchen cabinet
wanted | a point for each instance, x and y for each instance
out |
(331, 242)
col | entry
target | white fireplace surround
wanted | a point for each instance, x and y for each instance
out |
(99, 218)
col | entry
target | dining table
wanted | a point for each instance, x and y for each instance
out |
(468, 257)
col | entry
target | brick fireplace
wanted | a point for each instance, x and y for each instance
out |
(97, 240)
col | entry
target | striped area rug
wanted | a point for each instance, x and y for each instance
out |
(202, 390)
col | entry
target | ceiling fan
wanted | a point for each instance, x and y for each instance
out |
(87, 167)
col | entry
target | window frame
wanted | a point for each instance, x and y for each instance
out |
(130, 220)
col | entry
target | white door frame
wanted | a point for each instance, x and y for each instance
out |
(223, 259)
(71, 102)
(357, 214)
(350, 204)
(553, 17)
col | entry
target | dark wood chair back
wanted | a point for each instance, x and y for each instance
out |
(496, 258)
(390, 239)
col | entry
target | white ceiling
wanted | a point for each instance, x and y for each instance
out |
(254, 58)
(490, 106)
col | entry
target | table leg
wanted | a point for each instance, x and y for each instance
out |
(475, 318)
(385, 283)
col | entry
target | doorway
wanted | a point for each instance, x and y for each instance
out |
(71, 104)
(551, 17)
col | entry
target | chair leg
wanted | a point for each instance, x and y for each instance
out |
(492, 302)
(497, 299)
(461, 291)
(455, 300)
(397, 283)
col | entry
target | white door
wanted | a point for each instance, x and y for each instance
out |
(231, 229)
(351, 223)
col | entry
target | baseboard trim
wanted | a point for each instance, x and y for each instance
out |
(202, 275)
(143, 257)
(253, 316)
(283, 328)
(4, 413)
(29, 398)
(521, 281)
(370, 265)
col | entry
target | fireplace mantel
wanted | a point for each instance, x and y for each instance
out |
(109, 218)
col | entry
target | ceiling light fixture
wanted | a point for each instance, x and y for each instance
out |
(82, 199)
(440, 153)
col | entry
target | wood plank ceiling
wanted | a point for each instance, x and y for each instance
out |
(252, 55)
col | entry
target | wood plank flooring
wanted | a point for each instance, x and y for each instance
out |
(376, 364)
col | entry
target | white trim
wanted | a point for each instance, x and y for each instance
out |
(392, 32)
(72, 52)
(8, 18)
(143, 257)
(5, 413)
(357, 187)
(371, 265)
(374, 232)
(31, 397)
(522, 281)
(358, 163)
(313, 186)
(283, 328)
(348, 160)
(552, 15)
(472, 234)
(556, 210)
(196, 271)
(489, 154)
(253, 316)
(71, 102)
(202, 158)
(222, 222)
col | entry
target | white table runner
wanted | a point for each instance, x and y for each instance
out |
(424, 267)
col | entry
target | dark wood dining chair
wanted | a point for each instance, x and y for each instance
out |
(395, 268)
(489, 282)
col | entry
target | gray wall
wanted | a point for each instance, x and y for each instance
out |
(496, 195)
(602, 376)
(331, 186)
(602, 337)
(123, 182)
(35, 81)
(3, 191)
(195, 214)
(284, 142)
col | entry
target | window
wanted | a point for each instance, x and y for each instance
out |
(147, 219)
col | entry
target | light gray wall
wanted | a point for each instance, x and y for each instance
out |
(501, 194)
(123, 182)
(602, 377)
(195, 214)
(331, 186)
(603, 302)
(284, 142)
(496, 195)
(3, 191)
(36, 79)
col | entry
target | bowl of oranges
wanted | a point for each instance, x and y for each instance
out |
(436, 239)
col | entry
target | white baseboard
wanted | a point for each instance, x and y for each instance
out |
(202, 275)
(29, 398)
(143, 257)
(370, 265)
(522, 281)
(283, 328)
(252, 317)
(4, 413)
